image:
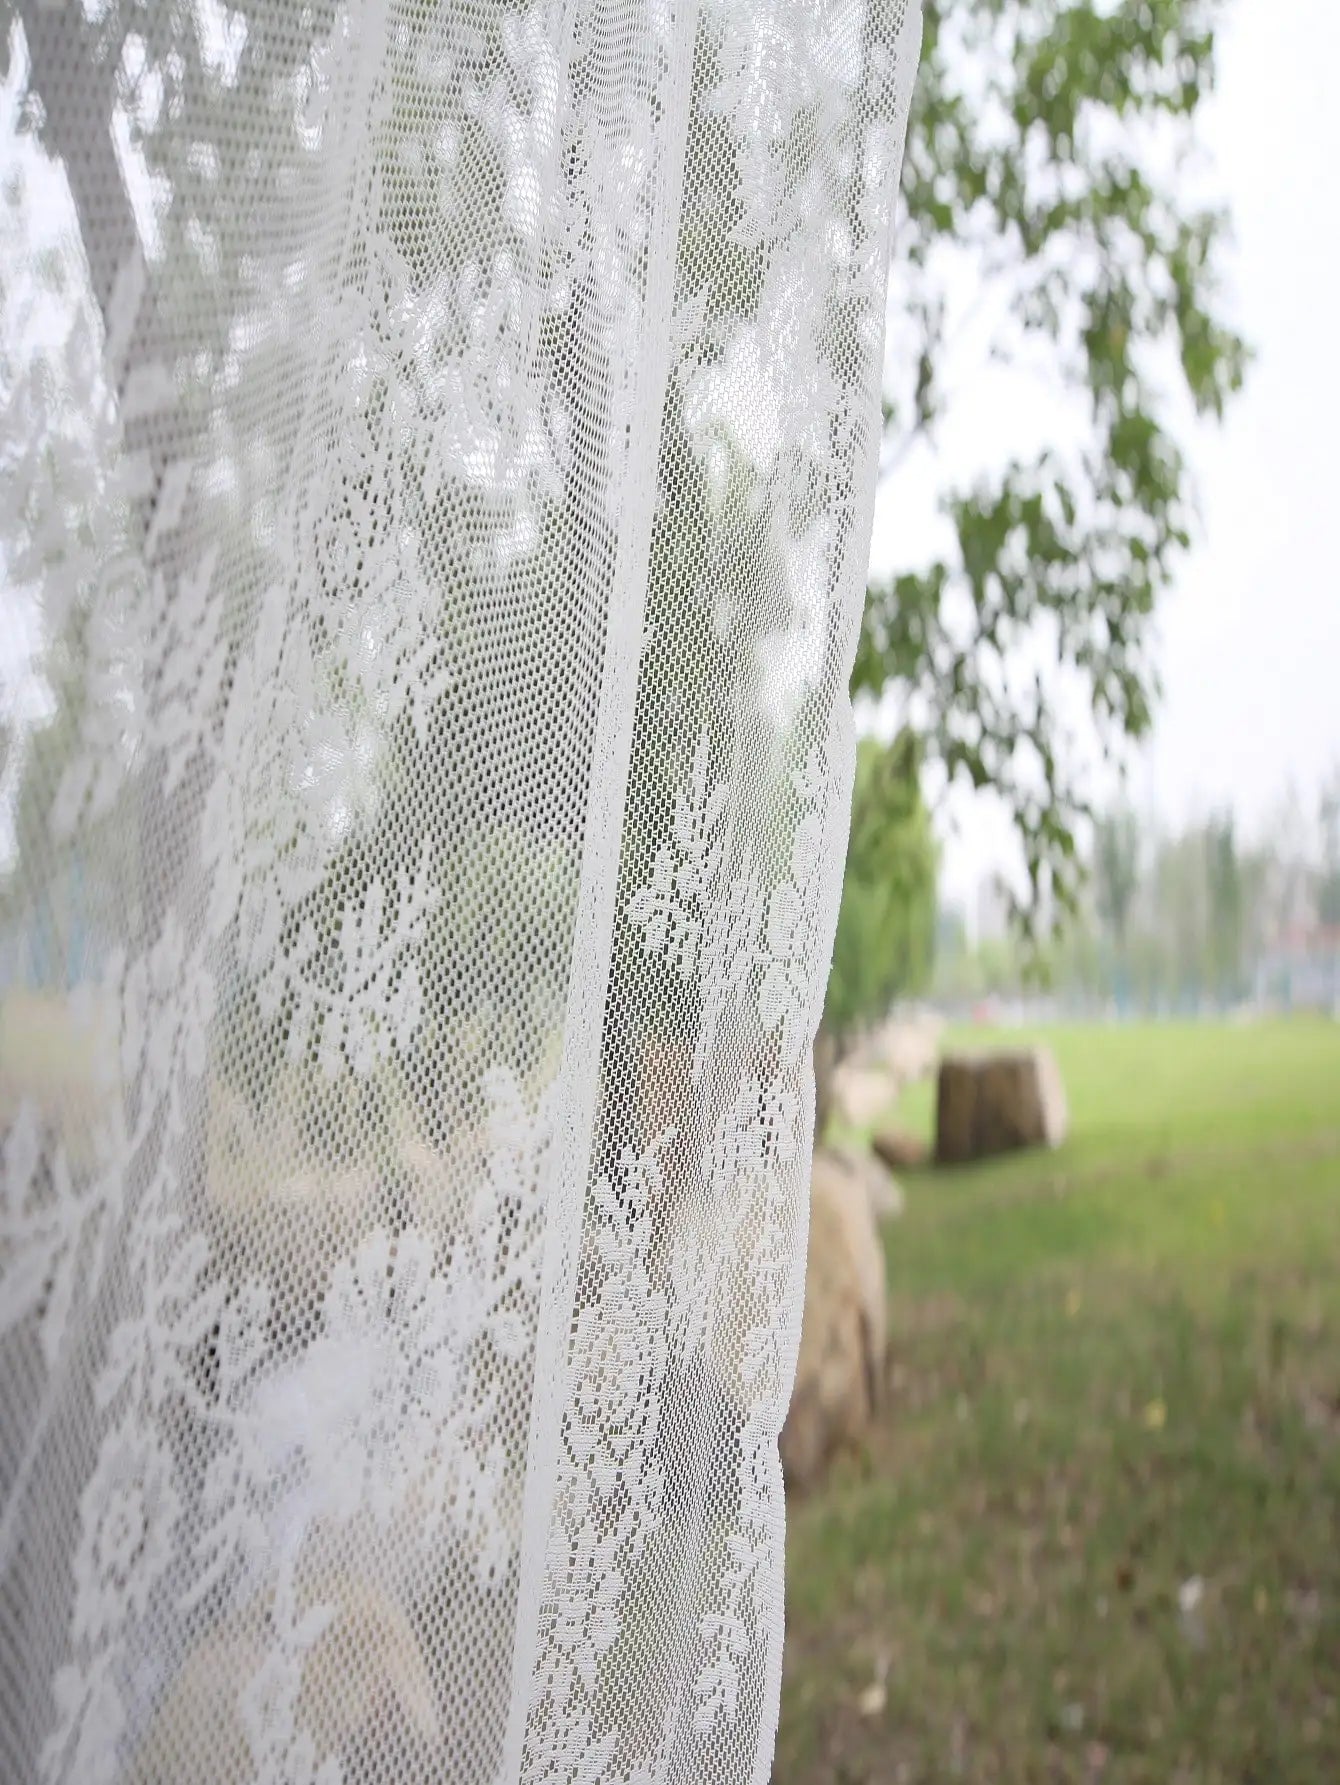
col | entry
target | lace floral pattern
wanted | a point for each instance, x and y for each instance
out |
(611, 1483)
(758, 1147)
(703, 912)
(127, 1517)
(374, 1387)
(55, 1230)
(435, 474)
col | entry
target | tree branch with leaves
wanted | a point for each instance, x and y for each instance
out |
(1046, 174)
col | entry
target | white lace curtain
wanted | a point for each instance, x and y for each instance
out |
(437, 460)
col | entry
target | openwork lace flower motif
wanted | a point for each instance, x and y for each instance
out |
(283, 1752)
(715, 1260)
(619, 1346)
(52, 1226)
(128, 1513)
(90, 1719)
(671, 908)
(359, 993)
(700, 918)
(367, 1400)
(610, 1484)
(787, 990)
(782, 986)
(703, 908)
(753, 1267)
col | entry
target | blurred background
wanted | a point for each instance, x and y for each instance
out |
(1065, 1446)
(1064, 1453)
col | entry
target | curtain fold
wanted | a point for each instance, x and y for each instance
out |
(437, 459)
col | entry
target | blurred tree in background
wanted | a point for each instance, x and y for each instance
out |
(1226, 915)
(1116, 869)
(1329, 896)
(886, 926)
(1194, 919)
(1046, 179)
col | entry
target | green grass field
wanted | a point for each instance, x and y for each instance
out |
(1096, 1533)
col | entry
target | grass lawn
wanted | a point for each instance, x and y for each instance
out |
(1096, 1534)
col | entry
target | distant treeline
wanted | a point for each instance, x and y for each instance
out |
(1179, 920)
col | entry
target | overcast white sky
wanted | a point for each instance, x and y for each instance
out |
(1250, 651)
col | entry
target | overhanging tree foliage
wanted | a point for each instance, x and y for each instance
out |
(1044, 167)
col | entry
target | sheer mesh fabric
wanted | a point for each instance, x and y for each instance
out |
(436, 468)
